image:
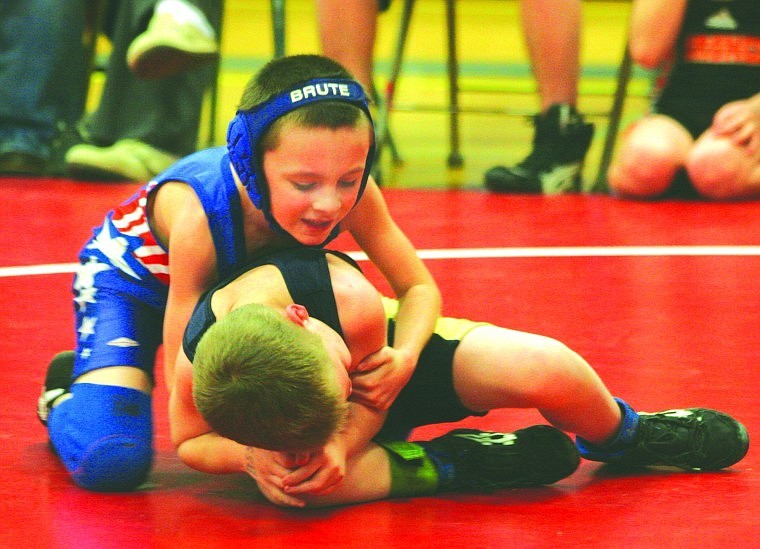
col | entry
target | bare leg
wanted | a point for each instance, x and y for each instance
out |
(500, 368)
(719, 169)
(347, 30)
(552, 34)
(368, 478)
(650, 153)
(551, 29)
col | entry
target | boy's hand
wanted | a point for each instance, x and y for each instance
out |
(740, 123)
(323, 473)
(379, 378)
(268, 469)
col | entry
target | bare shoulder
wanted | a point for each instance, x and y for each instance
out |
(173, 201)
(360, 309)
(263, 284)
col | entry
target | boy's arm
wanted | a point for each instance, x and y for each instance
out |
(326, 467)
(212, 453)
(392, 253)
(197, 445)
(192, 259)
(362, 425)
(654, 29)
(204, 450)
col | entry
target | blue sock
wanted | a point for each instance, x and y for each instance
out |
(624, 439)
(443, 465)
(103, 435)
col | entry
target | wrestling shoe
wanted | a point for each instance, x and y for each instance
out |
(560, 143)
(695, 439)
(480, 461)
(57, 383)
(173, 43)
(125, 160)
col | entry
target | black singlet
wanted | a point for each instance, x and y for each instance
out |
(306, 276)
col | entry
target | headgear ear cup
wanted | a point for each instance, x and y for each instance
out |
(241, 156)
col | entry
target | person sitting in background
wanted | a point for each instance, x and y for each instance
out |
(552, 32)
(562, 136)
(140, 126)
(150, 108)
(703, 134)
(34, 104)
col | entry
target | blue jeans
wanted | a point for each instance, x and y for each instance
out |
(43, 71)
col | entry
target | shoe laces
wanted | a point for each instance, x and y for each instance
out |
(551, 129)
(676, 434)
(540, 154)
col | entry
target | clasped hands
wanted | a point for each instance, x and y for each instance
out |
(289, 478)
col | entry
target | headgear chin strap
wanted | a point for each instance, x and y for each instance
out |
(249, 126)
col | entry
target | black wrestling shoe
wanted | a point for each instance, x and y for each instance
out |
(560, 143)
(480, 461)
(57, 383)
(695, 439)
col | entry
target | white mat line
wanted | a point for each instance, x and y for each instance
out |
(485, 253)
(581, 251)
(52, 268)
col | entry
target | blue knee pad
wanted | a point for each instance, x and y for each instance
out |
(103, 435)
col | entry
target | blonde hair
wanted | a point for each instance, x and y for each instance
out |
(263, 381)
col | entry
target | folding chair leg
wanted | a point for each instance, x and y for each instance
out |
(383, 131)
(616, 112)
(382, 128)
(95, 22)
(213, 106)
(455, 159)
(278, 27)
(214, 87)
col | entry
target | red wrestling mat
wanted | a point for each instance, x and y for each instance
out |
(661, 298)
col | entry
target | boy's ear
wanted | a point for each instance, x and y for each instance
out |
(297, 313)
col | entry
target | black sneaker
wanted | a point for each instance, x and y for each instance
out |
(57, 383)
(555, 165)
(481, 461)
(695, 439)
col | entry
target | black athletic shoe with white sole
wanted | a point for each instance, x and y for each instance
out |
(694, 439)
(470, 460)
(57, 383)
(554, 166)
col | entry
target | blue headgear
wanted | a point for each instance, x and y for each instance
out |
(249, 126)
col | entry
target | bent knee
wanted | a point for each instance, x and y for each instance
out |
(720, 171)
(561, 369)
(117, 463)
(553, 364)
(103, 436)
(648, 157)
(643, 172)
